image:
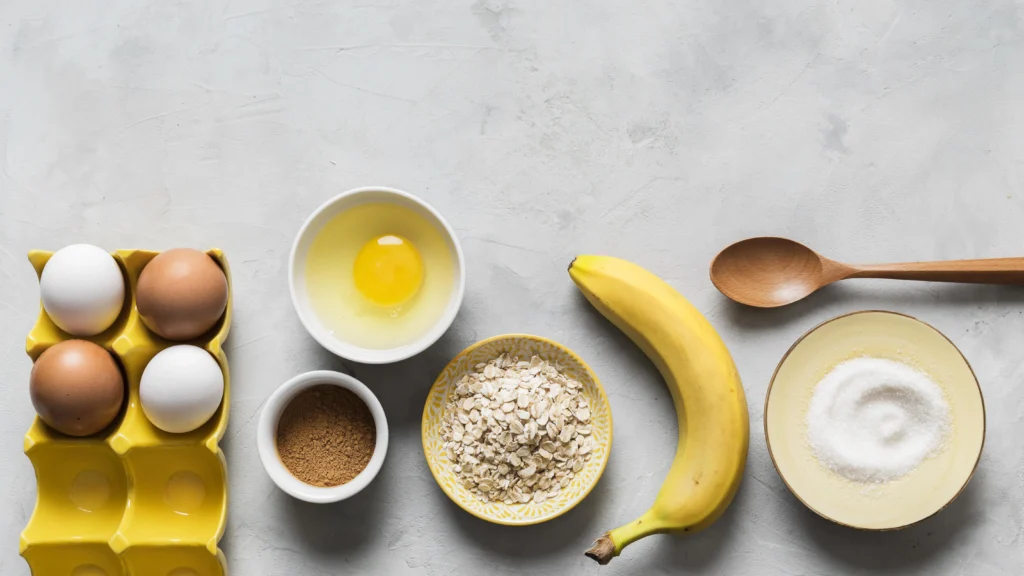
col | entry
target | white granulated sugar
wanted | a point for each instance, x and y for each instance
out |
(875, 420)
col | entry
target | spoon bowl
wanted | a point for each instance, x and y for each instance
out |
(768, 272)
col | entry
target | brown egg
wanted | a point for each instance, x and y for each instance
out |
(76, 387)
(181, 294)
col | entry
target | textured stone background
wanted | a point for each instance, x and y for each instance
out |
(655, 130)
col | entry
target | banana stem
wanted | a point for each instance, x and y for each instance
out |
(603, 550)
(611, 544)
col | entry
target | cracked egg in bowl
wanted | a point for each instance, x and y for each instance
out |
(376, 275)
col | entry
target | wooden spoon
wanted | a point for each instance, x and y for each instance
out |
(772, 272)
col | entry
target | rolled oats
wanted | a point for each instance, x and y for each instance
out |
(517, 431)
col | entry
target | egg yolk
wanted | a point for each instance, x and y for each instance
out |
(388, 270)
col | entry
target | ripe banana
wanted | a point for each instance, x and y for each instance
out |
(714, 428)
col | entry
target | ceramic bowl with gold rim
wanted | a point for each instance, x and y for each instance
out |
(525, 347)
(906, 500)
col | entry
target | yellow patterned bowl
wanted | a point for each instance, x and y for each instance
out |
(523, 346)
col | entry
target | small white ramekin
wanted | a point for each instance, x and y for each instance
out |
(266, 437)
(297, 275)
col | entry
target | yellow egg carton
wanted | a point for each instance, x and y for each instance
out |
(132, 500)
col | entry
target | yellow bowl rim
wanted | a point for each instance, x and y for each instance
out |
(768, 442)
(601, 394)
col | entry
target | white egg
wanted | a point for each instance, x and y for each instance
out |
(82, 289)
(181, 388)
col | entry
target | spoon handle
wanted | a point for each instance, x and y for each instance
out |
(988, 271)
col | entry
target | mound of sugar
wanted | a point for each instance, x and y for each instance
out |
(875, 420)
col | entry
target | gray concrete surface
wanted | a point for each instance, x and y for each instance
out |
(658, 131)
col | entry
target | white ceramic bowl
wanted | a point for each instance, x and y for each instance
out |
(266, 438)
(297, 275)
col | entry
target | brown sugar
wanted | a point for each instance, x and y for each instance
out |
(326, 436)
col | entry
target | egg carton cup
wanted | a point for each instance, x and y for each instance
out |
(132, 500)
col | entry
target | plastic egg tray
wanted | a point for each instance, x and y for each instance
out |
(132, 500)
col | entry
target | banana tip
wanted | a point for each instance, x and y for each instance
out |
(572, 262)
(602, 551)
